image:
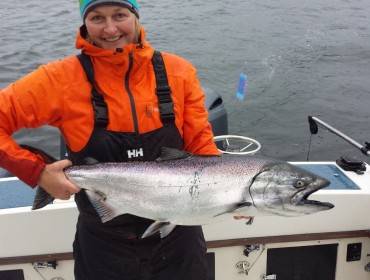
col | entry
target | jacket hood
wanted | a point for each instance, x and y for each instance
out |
(94, 51)
(116, 62)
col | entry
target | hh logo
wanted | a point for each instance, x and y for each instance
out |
(135, 153)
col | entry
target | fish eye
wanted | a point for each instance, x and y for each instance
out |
(299, 184)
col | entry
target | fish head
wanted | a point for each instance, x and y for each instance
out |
(283, 189)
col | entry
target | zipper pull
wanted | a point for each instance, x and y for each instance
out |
(148, 113)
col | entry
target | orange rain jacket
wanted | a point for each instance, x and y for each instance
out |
(58, 94)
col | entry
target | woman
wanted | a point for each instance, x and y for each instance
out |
(115, 102)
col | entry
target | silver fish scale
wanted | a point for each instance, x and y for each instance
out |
(199, 190)
(182, 191)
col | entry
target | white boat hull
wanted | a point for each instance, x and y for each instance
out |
(28, 238)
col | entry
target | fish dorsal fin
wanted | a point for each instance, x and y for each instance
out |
(42, 198)
(238, 206)
(97, 200)
(164, 228)
(90, 161)
(171, 154)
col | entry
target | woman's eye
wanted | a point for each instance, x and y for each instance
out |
(96, 18)
(119, 16)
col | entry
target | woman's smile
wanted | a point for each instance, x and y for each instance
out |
(112, 39)
(111, 27)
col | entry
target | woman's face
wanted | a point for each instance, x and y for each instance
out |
(111, 27)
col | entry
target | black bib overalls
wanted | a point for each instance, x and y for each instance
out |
(114, 250)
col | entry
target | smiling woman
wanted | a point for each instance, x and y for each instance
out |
(117, 101)
(112, 27)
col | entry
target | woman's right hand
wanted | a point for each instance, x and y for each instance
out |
(53, 180)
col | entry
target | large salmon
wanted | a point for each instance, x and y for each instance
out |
(183, 189)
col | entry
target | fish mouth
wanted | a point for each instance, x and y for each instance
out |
(309, 202)
(321, 184)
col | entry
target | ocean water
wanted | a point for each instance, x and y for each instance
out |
(302, 58)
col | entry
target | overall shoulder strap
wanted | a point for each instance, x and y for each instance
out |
(99, 105)
(163, 90)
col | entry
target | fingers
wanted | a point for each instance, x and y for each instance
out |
(69, 195)
(250, 219)
(65, 196)
(243, 217)
(64, 163)
(70, 189)
(55, 182)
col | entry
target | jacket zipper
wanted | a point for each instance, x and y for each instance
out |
(132, 101)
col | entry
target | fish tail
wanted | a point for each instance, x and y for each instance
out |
(42, 197)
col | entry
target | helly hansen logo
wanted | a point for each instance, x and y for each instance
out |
(135, 153)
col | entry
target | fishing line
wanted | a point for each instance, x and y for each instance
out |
(35, 267)
(315, 123)
(309, 148)
(314, 127)
(262, 250)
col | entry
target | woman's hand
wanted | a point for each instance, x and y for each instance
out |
(54, 181)
(250, 219)
(243, 217)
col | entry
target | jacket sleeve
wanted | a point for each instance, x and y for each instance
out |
(28, 103)
(197, 131)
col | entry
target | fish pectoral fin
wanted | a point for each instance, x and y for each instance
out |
(238, 206)
(171, 154)
(97, 200)
(42, 198)
(164, 228)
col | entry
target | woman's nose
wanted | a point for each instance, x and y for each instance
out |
(110, 27)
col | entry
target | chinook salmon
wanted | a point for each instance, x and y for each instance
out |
(183, 189)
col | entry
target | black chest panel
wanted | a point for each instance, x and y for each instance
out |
(111, 146)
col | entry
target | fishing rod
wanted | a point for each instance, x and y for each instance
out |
(313, 121)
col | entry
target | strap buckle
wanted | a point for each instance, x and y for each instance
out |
(163, 93)
(166, 110)
(166, 106)
(100, 113)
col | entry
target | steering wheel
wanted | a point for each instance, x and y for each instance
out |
(237, 145)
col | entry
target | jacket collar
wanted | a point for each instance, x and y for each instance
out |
(94, 51)
(142, 54)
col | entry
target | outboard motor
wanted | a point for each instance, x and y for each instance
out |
(217, 114)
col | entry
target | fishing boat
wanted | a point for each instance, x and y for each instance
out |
(329, 245)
